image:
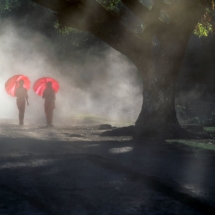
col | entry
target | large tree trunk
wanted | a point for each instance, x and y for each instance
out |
(157, 118)
(160, 68)
(158, 115)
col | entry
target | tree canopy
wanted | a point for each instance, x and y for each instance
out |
(203, 28)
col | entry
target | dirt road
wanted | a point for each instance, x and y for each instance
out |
(72, 170)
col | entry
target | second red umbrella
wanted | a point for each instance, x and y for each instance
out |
(13, 83)
(41, 84)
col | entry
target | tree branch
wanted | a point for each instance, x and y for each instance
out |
(54, 5)
(91, 16)
(147, 16)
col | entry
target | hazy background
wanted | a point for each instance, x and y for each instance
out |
(95, 80)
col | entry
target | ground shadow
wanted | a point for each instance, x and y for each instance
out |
(53, 175)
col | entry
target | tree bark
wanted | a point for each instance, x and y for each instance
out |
(157, 118)
(160, 69)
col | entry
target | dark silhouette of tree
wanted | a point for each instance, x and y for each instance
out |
(154, 35)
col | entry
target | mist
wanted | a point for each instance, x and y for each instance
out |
(104, 85)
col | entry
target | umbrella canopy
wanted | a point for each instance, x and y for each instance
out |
(41, 84)
(13, 83)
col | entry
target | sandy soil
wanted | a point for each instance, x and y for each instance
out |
(71, 169)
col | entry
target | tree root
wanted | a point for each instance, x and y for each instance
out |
(124, 131)
(175, 132)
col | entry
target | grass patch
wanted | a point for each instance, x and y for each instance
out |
(193, 143)
(209, 129)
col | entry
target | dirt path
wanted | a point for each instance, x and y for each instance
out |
(72, 170)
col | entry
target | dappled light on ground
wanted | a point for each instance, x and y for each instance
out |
(197, 191)
(31, 163)
(120, 150)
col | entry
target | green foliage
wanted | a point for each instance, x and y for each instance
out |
(203, 29)
(195, 144)
(210, 129)
(63, 29)
(111, 5)
(8, 5)
(168, 1)
(205, 26)
(195, 121)
(164, 17)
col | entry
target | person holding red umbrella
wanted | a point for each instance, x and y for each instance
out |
(49, 96)
(47, 87)
(17, 86)
(21, 95)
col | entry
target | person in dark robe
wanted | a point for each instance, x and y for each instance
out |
(22, 97)
(49, 96)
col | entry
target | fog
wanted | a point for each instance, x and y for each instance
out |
(107, 87)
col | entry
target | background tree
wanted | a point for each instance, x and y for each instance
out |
(154, 35)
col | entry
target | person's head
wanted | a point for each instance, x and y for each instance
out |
(21, 83)
(49, 84)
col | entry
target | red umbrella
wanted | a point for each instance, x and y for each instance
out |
(13, 83)
(41, 84)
